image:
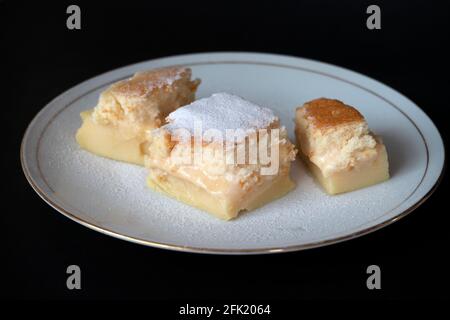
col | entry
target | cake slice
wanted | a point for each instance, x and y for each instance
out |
(221, 154)
(335, 142)
(116, 127)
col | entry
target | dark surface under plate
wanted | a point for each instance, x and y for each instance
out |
(43, 59)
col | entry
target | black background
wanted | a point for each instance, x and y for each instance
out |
(42, 58)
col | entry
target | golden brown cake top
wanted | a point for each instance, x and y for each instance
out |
(325, 112)
(146, 98)
(145, 82)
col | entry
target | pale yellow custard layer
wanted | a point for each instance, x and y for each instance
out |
(109, 142)
(352, 179)
(221, 207)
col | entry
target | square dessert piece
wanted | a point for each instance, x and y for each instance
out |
(338, 147)
(116, 127)
(221, 154)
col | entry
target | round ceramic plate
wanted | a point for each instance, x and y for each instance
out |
(112, 197)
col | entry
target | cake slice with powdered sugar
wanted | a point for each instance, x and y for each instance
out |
(221, 154)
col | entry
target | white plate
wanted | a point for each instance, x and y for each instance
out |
(111, 197)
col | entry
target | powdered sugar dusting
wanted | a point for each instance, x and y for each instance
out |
(221, 111)
(145, 82)
(166, 76)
